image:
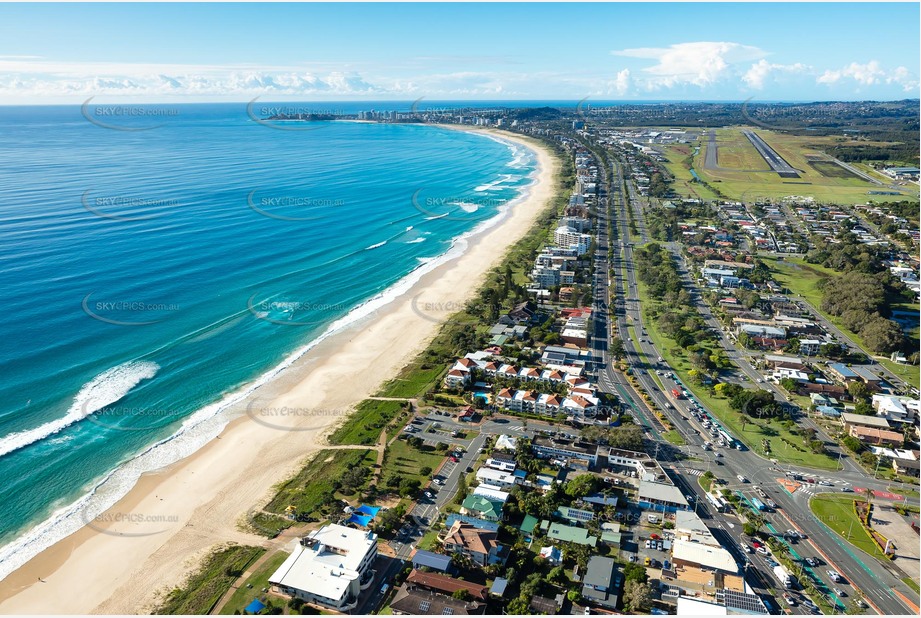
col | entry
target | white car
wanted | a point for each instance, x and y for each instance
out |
(429, 494)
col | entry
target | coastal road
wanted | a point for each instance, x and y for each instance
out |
(876, 584)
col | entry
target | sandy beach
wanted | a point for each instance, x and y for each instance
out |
(154, 536)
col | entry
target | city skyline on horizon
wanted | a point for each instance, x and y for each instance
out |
(504, 52)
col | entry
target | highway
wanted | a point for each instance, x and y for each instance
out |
(876, 582)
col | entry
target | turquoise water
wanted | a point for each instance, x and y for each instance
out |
(150, 274)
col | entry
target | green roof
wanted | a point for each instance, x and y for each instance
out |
(527, 524)
(570, 534)
(610, 537)
(484, 506)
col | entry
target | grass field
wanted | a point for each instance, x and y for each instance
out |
(364, 425)
(743, 173)
(313, 487)
(405, 461)
(775, 432)
(837, 512)
(252, 587)
(205, 587)
(674, 437)
(413, 381)
(684, 184)
(801, 278)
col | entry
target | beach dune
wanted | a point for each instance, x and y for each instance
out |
(152, 538)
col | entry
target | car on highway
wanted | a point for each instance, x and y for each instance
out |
(741, 478)
(840, 592)
(763, 550)
(834, 575)
(789, 600)
(812, 562)
(848, 489)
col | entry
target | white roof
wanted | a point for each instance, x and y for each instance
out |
(661, 492)
(498, 476)
(323, 572)
(692, 607)
(708, 556)
(491, 492)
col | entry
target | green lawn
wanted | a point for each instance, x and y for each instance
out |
(206, 586)
(801, 278)
(752, 435)
(413, 381)
(674, 437)
(405, 461)
(364, 425)
(313, 488)
(252, 587)
(837, 513)
(912, 584)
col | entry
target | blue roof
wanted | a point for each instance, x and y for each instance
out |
(432, 560)
(361, 520)
(842, 370)
(828, 411)
(364, 509)
(255, 607)
(482, 524)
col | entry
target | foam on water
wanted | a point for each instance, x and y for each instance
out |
(103, 390)
(206, 423)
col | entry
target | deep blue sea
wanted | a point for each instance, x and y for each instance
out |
(149, 274)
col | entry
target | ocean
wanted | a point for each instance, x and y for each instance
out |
(160, 262)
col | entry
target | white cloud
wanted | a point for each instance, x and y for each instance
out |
(904, 78)
(869, 74)
(700, 63)
(864, 74)
(761, 71)
(621, 83)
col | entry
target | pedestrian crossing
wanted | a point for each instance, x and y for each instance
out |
(694, 472)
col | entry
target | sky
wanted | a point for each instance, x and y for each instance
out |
(65, 53)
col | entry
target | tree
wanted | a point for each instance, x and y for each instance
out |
(635, 573)
(580, 486)
(425, 471)
(882, 336)
(574, 596)
(461, 595)
(637, 596)
(858, 390)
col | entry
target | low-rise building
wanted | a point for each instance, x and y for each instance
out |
(480, 546)
(550, 448)
(601, 582)
(329, 567)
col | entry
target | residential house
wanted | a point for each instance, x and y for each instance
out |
(480, 546)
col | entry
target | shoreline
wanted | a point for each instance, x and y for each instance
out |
(157, 532)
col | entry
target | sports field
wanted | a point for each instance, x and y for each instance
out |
(728, 161)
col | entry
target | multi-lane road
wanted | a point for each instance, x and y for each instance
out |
(619, 304)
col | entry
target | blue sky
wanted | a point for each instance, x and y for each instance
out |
(55, 53)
